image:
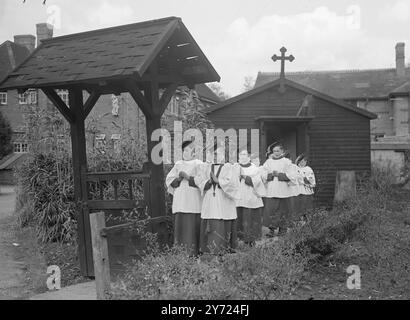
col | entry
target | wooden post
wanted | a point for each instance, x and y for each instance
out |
(263, 145)
(79, 155)
(157, 180)
(153, 106)
(345, 187)
(100, 256)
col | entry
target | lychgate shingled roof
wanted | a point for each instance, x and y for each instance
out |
(114, 53)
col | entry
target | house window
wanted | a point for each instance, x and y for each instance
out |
(28, 97)
(23, 98)
(100, 142)
(20, 147)
(3, 98)
(63, 95)
(116, 142)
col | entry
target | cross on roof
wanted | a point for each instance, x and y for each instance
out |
(282, 59)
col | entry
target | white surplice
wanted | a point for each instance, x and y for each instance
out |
(186, 199)
(307, 172)
(276, 188)
(296, 179)
(251, 197)
(219, 203)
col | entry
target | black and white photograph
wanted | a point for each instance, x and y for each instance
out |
(206, 155)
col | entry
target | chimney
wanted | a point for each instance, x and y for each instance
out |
(44, 31)
(26, 40)
(400, 66)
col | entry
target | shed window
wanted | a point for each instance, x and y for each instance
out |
(3, 98)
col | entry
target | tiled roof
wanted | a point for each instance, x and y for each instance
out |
(11, 55)
(345, 84)
(113, 53)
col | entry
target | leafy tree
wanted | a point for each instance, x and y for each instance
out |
(5, 137)
(249, 83)
(217, 89)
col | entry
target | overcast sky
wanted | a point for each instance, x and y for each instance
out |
(239, 36)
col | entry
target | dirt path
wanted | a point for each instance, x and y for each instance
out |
(16, 281)
(11, 270)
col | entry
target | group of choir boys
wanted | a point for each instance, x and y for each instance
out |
(214, 203)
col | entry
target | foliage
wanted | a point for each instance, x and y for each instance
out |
(194, 117)
(249, 83)
(217, 89)
(6, 146)
(45, 196)
(46, 186)
(271, 271)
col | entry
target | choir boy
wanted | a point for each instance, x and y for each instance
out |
(219, 184)
(249, 206)
(187, 199)
(277, 212)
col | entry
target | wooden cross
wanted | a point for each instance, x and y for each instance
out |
(282, 59)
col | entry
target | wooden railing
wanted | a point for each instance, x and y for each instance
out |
(101, 179)
(99, 233)
(112, 193)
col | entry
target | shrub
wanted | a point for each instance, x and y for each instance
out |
(5, 137)
(266, 272)
(270, 271)
(46, 197)
(172, 274)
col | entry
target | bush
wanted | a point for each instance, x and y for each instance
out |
(269, 271)
(46, 197)
(6, 146)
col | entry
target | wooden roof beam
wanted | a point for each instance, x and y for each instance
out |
(142, 102)
(166, 97)
(91, 101)
(59, 104)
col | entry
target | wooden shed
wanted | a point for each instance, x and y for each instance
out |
(335, 134)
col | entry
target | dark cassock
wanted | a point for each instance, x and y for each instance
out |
(219, 184)
(278, 207)
(187, 200)
(249, 206)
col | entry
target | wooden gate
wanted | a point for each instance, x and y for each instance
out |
(116, 194)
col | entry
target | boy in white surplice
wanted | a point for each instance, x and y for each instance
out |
(219, 184)
(278, 208)
(307, 184)
(250, 205)
(187, 199)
